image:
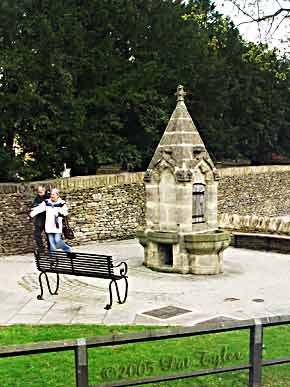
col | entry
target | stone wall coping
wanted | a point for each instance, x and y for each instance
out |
(252, 170)
(126, 178)
(77, 182)
(259, 234)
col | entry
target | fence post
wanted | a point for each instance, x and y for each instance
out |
(256, 347)
(81, 362)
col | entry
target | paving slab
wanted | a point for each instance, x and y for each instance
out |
(254, 284)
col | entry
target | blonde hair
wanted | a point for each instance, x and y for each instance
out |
(55, 190)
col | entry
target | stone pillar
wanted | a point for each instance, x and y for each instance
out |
(152, 205)
(152, 257)
(184, 200)
(211, 205)
(167, 193)
(180, 258)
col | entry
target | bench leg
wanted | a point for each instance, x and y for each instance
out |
(126, 292)
(108, 306)
(39, 297)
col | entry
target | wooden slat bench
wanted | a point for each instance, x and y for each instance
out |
(81, 264)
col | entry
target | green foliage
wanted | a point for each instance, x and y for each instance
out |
(91, 83)
(8, 166)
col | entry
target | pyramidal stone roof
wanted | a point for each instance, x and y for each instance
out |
(181, 141)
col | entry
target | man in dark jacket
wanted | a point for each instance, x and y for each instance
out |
(39, 220)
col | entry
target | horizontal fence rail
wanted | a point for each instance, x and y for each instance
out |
(80, 348)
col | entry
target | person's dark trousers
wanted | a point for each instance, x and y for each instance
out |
(38, 230)
(39, 227)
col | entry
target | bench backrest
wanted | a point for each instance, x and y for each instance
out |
(82, 264)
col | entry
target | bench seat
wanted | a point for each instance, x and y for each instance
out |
(81, 264)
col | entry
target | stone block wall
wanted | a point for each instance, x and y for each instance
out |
(112, 206)
(101, 207)
(16, 230)
(260, 191)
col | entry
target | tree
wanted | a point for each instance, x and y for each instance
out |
(252, 109)
(90, 83)
(271, 17)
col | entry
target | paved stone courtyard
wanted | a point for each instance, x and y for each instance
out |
(254, 284)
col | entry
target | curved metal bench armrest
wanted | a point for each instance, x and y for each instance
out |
(123, 268)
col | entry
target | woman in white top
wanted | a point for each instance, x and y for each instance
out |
(55, 209)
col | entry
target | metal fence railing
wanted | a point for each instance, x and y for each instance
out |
(80, 348)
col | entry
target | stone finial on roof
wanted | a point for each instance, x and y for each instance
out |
(180, 93)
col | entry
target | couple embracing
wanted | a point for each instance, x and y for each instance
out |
(49, 210)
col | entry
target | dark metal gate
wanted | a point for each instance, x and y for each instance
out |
(198, 191)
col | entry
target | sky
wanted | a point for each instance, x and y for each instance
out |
(250, 31)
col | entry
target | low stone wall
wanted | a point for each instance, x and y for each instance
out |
(257, 232)
(101, 207)
(254, 224)
(256, 241)
(112, 206)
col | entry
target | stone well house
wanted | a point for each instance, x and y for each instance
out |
(181, 232)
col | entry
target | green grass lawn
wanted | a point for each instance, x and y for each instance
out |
(140, 360)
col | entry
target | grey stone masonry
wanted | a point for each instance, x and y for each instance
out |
(100, 208)
(181, 201)
(261, 190)
(181, 144)
(105, 199)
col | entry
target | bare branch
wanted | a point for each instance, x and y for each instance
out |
(281, 21)
(259, 20)
(259, 28)
(262, 18)
(274, 14)
(270, 27)
(266, 17)
(242, 9)
(246, 4)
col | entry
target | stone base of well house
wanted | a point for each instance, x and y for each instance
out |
(185, 253)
